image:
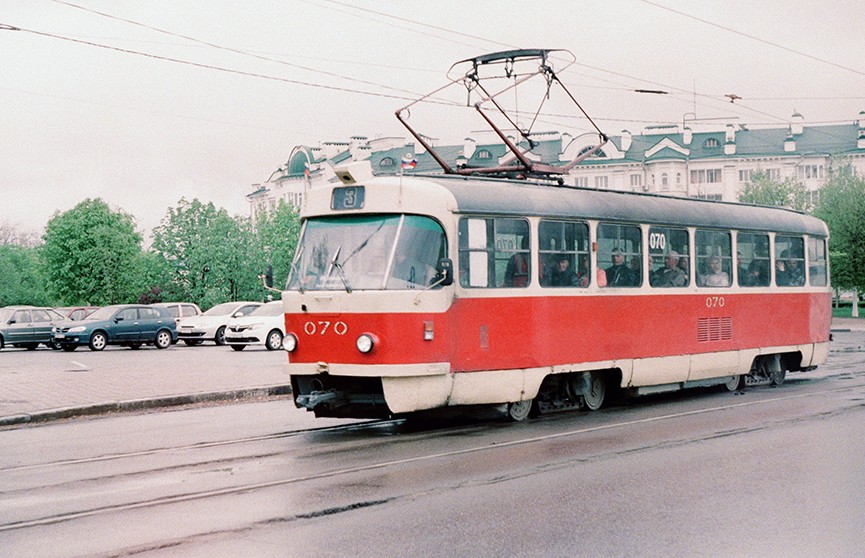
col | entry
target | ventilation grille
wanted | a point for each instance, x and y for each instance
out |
(714, 329)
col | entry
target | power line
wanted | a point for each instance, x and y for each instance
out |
(228, 49)
(754, 37)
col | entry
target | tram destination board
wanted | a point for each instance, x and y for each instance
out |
(347, 198)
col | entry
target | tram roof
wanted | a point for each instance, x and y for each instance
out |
(502, 197)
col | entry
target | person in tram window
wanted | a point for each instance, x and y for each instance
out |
(619, 274)
(757, 275)
(781, 277)
(795, 273)
(517, 270)
(671, 275)
(563, 275)
(715, 277)
(741, 271)
(636, 270)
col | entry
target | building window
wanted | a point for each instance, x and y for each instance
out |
(773, 174)
(387, 162)
(707, 176)
(665, 182)
(678, 179)
(636, 181)
(710, 143)
(484, 154)
(710, 197)
(581, 182)
(810, 171)
(601, 182)
(745, 175)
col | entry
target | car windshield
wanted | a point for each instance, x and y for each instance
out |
(103, 313)
(269, 309)
(367, 252)
(221, 309)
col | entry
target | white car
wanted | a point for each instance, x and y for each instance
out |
(265, 326)
(211, 325)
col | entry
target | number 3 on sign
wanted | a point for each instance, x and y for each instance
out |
(714, 302)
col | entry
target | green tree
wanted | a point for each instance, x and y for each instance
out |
(276, 234)
(762, 190)
(21, 278)
(91, 255)
(207, 253)
(842, 206)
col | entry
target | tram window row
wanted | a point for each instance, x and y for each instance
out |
(497, 252)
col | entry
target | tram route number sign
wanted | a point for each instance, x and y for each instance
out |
(347, 198)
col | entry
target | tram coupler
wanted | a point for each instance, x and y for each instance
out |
(332, 397)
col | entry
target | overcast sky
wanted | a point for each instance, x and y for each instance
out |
(203, 99)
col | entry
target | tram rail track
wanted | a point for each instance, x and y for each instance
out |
(197, 495)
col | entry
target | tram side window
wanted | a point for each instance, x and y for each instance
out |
(789, 261)
(817, 261)
(753, 252)
(714, 258)
(620, 253)
(494, 252)
(669, 257)
(563, 255)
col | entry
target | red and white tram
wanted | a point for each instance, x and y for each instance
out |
(431, 291)
(422, 292)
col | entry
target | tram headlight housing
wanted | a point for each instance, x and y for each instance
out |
(289, 342)
(365, 342)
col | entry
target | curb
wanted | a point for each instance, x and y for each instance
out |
(143, 404)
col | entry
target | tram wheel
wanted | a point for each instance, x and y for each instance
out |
(735, 383)
(777, 376)
(593, 397)
(520, 410)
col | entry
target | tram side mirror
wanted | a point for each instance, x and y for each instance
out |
(445, 272)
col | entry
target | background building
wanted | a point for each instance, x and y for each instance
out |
(672, 160)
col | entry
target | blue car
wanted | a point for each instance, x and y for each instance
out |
(129, 325)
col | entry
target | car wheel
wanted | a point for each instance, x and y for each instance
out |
(192, 342)
(238, 347)
(69, 348)
(274, 340)
(163, 339)
(98, 340)
(31, 346)
(1, 342)
(55, 345)
(135, 346)
(220, 336)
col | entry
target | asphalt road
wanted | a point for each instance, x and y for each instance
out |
(766, 472)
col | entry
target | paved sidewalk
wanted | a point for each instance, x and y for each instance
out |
(77, 384)
(45, 385)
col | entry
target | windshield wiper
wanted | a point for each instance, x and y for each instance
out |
(334, 263)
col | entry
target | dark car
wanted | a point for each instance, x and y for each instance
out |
(129, 325)
(27, 326)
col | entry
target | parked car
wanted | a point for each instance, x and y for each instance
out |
(27, 326)
(210, 326)
(180, 310)
(76, 312)
(264, 326)
(130, 325)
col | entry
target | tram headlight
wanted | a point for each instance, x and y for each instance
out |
(289, 342)
(365, 343)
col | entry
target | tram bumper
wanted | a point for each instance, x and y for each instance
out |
(361, 391)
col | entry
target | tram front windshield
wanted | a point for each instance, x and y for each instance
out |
(371, 252)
